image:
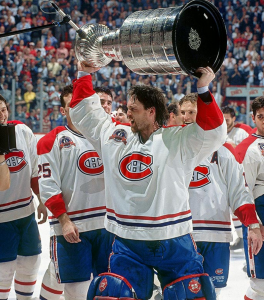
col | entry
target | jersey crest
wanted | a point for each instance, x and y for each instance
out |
(200, 177)
(66, 142)
(16, 161)
(119, 135)
(90, 163)
(194, 286)
(103, 285)
(136, 166)
(219, 271)
(261, 148)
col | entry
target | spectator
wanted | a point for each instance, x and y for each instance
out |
(56, 117)
(54, 67)
(62, 50)
(30, 97)
(236, 78)
(229, 63)
(6, 93)
(19, 100)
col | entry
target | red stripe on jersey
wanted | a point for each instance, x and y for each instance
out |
(5, 291)
(14, 202)
(45, 144)
(231, 149)
(56, 205)
(34, 185)
(247, 214)
(82, 88)
(82, 211)
(25, 283)
(246, 298)
(210, 222)
(149, 218)
(51, 290)
(241, 149)
(245, 127)
(15, 122)
(209, 115)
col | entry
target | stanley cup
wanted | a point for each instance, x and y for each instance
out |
(160, 41)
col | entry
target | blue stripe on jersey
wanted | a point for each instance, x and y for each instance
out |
(212, 228)
(42, 298)
(149, 225)
(16, 207)
(81, 218)
(23, 293)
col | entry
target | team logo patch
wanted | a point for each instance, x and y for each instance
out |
(119, 135)
(136, 166)
(261, 148)
(66, 142)
(200, 177)
(90, 163)
(194, 286)
(103, 285)
(16, 161)
(219, 271)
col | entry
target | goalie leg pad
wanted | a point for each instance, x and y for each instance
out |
(110, 286)
(196, 286)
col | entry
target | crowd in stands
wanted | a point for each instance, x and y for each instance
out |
(48, 54)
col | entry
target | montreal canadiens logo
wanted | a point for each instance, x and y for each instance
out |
(90, 163)
(119, 135)
(136, 166)
(194, 286)
(261, 148)
(66, 142)
(16, 161)
(103, 285)
(219, 271)
(200, 177)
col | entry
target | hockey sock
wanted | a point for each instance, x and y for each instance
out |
(218, 291)
(26, 276)
(50, 288)
(76, 290)
(7, 270)
(256, 289)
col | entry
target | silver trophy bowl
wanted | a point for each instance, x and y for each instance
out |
(161, 41)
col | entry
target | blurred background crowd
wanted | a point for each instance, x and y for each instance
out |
(47, 55)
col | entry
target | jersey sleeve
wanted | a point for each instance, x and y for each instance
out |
(240, 199)
(251, 166)
(202, 138)
(86, 112)
(49, 178)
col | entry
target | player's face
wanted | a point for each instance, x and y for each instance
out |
(106, 102)
(121, 116)
(189, 112)
(138, 116)
(3, 113)
(66, 110)
(258, 119)
(230, 122)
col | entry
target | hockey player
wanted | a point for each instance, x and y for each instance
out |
(217, 185)
(251, 152)
(20, 244)
(71, 178)
(147, 172)
(121, 114)
(174, 115)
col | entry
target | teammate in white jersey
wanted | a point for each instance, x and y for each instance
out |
(20, 244)
(251, 153)
(217, 184)
(147, 172)
(174, 115)
(71, 179)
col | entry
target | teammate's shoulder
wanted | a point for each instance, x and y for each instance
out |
(228, 150)
(244, 127)
(174, 126)
(20, 126)
(242, 148)
(45, 144)
(15, 122)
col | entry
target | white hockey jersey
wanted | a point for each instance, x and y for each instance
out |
(17, 201)
(238, 133)
(71, 179)
(251, 153)
(147, 183)
(217, 184)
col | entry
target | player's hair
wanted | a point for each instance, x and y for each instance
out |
(150, 97)
(104, 90)
(191, 97)
(229, 110)
(68, 89)
(257, 104)
(123, 108)
(173, 108)
(3, 100)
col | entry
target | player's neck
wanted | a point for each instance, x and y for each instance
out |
(73, 128)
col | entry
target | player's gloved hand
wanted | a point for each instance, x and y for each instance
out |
(42, 212)
(255, 240)
(7, 138)
(69, 229)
